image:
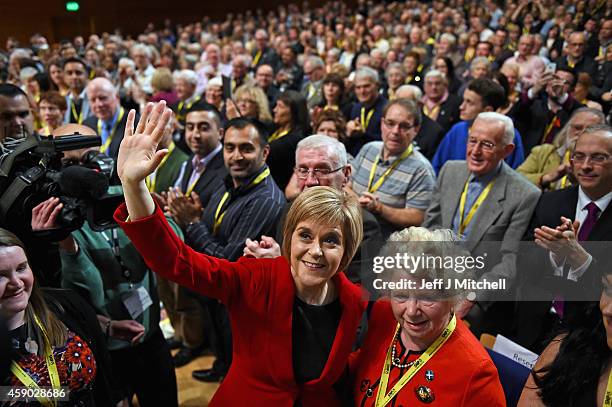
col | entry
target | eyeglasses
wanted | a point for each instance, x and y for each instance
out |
(9, 116)
(597, 158)
(318, 173)
(403, 127)
(486, 145)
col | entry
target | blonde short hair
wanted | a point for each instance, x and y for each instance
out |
(257, 94)
(162, 80)
(326, 205)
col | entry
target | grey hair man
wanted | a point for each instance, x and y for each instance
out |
(485, 200)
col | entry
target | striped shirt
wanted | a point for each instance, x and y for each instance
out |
(409, 185)
(249, 213)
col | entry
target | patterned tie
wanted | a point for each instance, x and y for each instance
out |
(589, 221)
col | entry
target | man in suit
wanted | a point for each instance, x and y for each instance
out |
(263, 54)
(75, 75)
(366, 114)
(561, 221)
(204, 171)
(198, 179)
(108, 118)
(484, 200)
(576, 58)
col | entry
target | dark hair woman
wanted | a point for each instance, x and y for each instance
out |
(51, 323)
(292, 124)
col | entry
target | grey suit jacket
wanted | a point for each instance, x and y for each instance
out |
(503, 216)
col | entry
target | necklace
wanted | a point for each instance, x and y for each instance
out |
(396, 361)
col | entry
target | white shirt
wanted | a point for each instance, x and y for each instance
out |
(581, 214)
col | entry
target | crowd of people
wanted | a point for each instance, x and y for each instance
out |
(266, 158)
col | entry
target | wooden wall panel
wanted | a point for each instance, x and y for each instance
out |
(22, 18)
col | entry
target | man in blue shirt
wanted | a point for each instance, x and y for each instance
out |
(481, 95)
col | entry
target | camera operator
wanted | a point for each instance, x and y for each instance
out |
(17, 122)
(105, 269)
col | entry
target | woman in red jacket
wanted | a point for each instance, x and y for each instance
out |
(416, 351)
(293, 318)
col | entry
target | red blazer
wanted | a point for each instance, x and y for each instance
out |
(259, 295)
(463, 373)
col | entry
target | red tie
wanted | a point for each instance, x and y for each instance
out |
(589, 221)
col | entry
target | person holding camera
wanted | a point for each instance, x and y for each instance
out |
(546, 107)
(105, 269)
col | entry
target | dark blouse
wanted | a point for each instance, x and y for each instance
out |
(313, 332)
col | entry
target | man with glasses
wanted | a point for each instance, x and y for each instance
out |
(264, 78)
(484, 200)
(562, 222)
(393, 180)
(545, 108)
(576, 58)
(322, 161)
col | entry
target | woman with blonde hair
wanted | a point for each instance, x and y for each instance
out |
(251, 102)
(298, 307)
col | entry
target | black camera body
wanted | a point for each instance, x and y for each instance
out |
(33, 171)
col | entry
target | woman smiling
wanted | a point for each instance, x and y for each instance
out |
(294, 318)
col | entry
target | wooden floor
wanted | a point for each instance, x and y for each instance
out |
(192, 393)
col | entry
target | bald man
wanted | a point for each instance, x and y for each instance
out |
(108, 118)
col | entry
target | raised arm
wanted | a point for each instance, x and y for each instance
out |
(139, 157)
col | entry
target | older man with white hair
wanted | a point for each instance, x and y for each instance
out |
(142, 56)
(185, 83)
(485, 200)
(109, 118)
(365, 116)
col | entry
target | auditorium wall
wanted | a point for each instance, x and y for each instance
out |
(19, 18)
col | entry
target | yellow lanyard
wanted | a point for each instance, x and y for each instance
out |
(46, 131)
(193, 184)
(219, 215)
(608, 395)
(277, 135)
(256, 59)
(51, 367)
(79, 116)
(365, 120)
(150, 180)
(566, 159)
(555, 122)
(382, 399)
(109, 139)
(383, 177)
(180, 115)
(463, 223)
(433, 113)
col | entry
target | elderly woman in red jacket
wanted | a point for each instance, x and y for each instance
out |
(416, 351)
(293, 318)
